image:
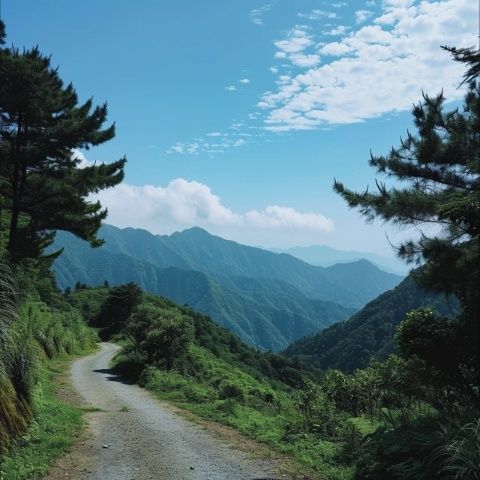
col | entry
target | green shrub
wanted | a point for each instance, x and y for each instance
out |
(231, 390)
(351, 439)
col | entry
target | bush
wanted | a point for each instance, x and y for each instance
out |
(319, 414)
(29, 332)
(163, 336)
(352, 439)
(230, 390)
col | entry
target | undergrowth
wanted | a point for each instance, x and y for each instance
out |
(38, 328)
(50, 433)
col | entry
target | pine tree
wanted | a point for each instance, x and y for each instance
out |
(436, 175)
(42, 187)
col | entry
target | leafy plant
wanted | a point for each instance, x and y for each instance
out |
(461, 455)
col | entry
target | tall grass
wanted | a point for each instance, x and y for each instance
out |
(461, 456)
(30, 331)
(14, 409)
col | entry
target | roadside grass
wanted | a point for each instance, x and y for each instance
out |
(51, 433)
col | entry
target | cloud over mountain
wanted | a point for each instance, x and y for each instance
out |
(184, 203)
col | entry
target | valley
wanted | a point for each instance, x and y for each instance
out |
(268, 299)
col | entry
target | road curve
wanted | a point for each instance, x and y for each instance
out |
(135, 437)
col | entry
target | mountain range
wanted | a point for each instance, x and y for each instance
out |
(268, 299)
(325, 256)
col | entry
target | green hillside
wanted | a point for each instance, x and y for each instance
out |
(369, 333)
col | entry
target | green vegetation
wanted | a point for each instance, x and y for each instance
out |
(50, 434)
(370, 332)
(41, 329)
(42, 188)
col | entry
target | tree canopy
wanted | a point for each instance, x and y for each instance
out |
(438, 182)
(43, 186)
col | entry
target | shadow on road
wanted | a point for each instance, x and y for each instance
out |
(114, 376)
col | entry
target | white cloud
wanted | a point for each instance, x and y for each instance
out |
(239, 142)
(230, 88)
(317, 14)
(278, 217)
(378, 68)
(292, 48)
(244, 80)
(177, 148)
(83, 162)
(339, 30)
(215, 142)
(256, 15)
(182, 204)
(297, 40)
(182, 148)
(302, 60)
(362, 15)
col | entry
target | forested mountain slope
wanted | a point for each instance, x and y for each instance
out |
(369, 333)
(266, 313)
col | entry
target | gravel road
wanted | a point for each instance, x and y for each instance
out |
(133, 436)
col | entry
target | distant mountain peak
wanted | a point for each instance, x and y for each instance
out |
(195, 230)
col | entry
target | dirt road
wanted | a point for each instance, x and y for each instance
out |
(132, 436)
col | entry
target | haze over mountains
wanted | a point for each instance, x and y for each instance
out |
(325, 256)
(268, 299)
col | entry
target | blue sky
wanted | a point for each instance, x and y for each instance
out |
(237, 115)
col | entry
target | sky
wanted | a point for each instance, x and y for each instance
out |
(237, 115)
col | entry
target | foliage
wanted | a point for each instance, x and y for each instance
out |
(31, 332)
(450, 353)
(400, 454)
(162, 336)
(116, 309)
(42, 184)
